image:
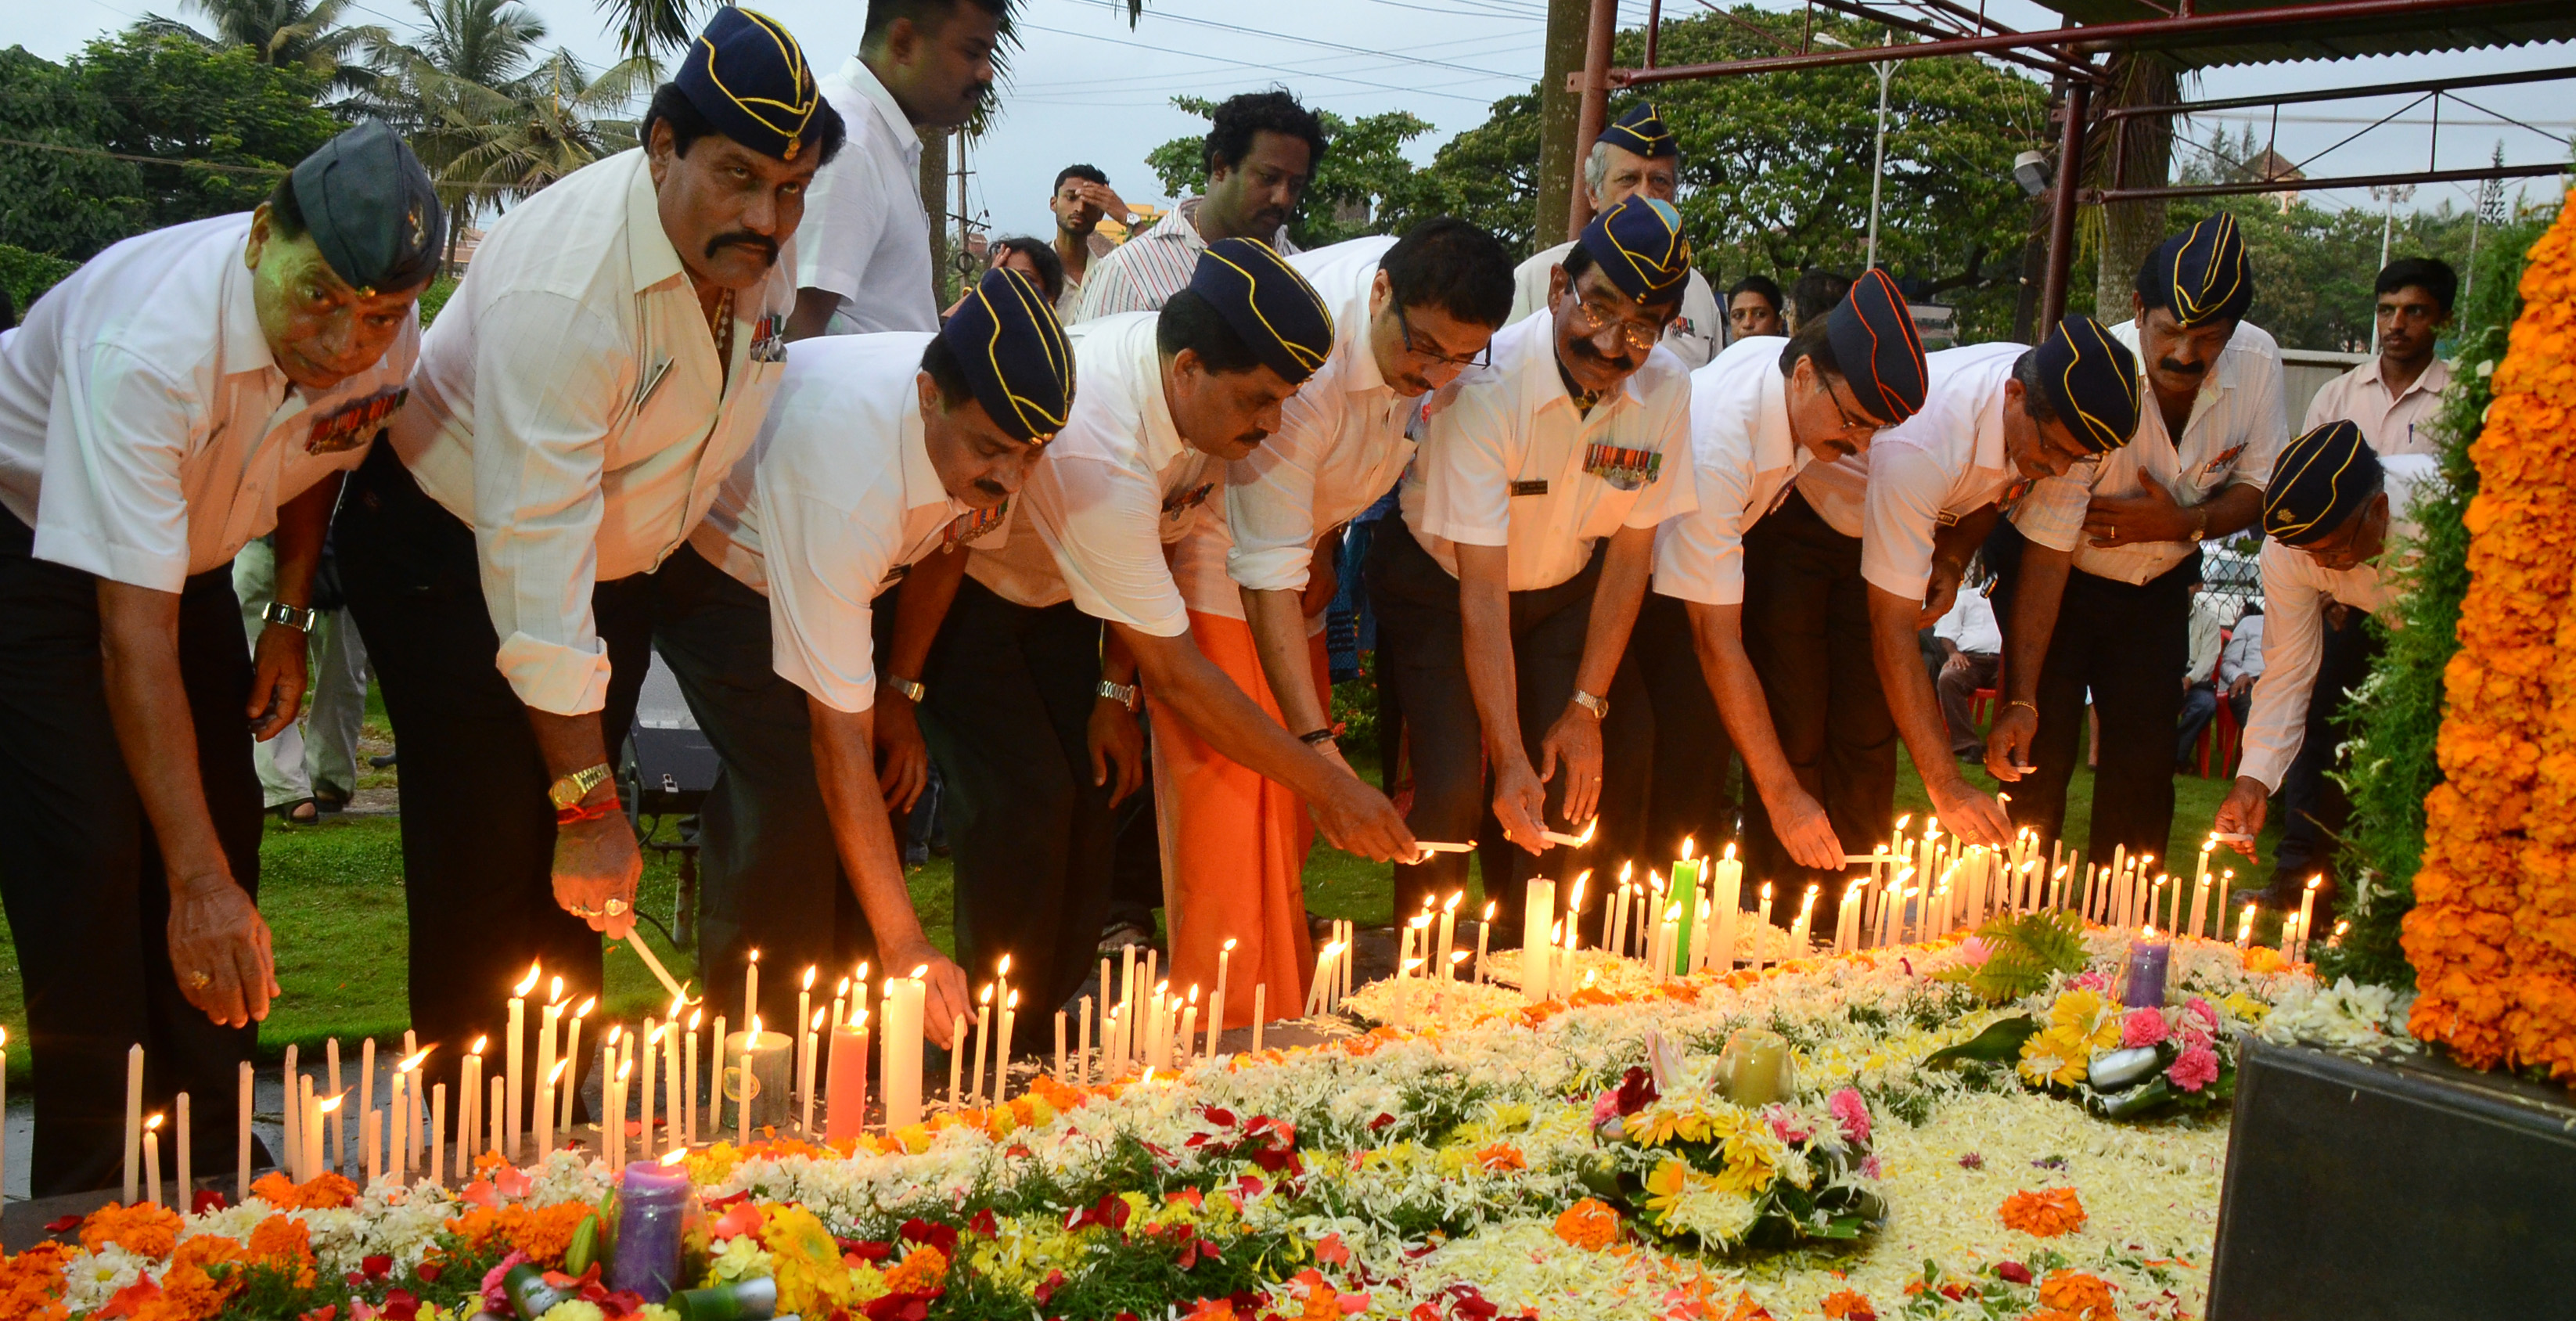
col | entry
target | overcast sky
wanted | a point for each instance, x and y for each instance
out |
(1086, 88)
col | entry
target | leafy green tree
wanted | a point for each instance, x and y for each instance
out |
(1488, 174)
(305, 34)
(62, 197)
(236, 122)
(1364, 166)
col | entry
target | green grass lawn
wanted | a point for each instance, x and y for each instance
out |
(332, 893)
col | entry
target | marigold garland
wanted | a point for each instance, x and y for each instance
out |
(2493, 933)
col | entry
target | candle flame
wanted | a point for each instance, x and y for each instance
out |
(154, 1122)
(808, 983)
(1162, 986)
(819, 1016)
(2211, 844)
(693, 1020)
(624, 1070)
(678, 1003)
(1005, 968)
(1690, 846)
(921, 972)
(1457, 957)
(658, 1033)
(558, 1072)
(478, 1045)
(674, 1156)
(554, 991)
(1589, 828)
(1229, 944)
(1673, 914)
(1013, 1004)
(985, 996)
(1449, 907)
(1194, 993)
(1489, 910)
(1766, 889)
(587, 1004)
(1900, 822)
(528, 984)
(1420, 922)
(754, 956)
(755, 1027)
(2147, 932)
(1625, 870)
(2316, 880)
(413, 1061)
(862, 976)
(613, 1030)
(327, 1107)
(843, 989)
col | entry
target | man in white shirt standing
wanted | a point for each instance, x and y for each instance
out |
(180, 394)
(2394, 396)
(883, 452)
(2111, 614)
(1887, 541)
(1972, 653)
(1636, 154)
(1409, 315)
(1506, 594)
(863, 251)
(2328, 517)
(1261, 151)
(1761, 411)
(1028, 702)
(578, 404)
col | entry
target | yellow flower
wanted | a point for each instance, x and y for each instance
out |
(1686, 1201)
(2087, 1018)
(1657, 1125)
(2055, 1056)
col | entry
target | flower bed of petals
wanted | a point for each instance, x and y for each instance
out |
(2493, 933)
(1430, 1171)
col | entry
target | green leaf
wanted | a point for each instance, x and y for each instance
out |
(2025, 951)
(2000, 1043)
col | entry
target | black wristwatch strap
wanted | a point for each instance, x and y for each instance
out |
(1316, 737)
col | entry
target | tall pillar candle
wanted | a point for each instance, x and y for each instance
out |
(1537, 915)
(845, 1083)
(1690, 937)
(901, 1072)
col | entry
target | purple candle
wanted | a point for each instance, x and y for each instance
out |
(652, 1214)
(2149, 958)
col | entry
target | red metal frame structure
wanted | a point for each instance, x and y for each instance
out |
(2202, 32)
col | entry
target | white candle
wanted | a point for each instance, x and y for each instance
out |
(651, 1048)
(335, 1139)
(804, 1040)
(367, 1139)
(901, 1070)
(514, 1056)
(742, 1107)
(1726, 905)
(1082, 1042)
(1260, 990)
(241, 1138)
(672, 1137)
(1762, 930)
(152, 1159)
(1002, 1046)
(183, 1193)
(751, 986)
(688, 1135)
(1538, 914)
(366, 1091)
(550, 1021)
(1484, 927)
(1189, 1028)
(983, 1031)
(469, 1094)
(572, 1052)
(2307, 914)
(493, 1121)
(1315, 994)
(134, 1119)
(957, 1064)
(715, 1080)
(437, 1131)
(1806, 921)
(1216, 1006)
(2245, 927)
(1059, 1045)
(1448, 930)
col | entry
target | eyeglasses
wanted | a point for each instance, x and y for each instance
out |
(1590, 321)
(1404, 326)
(1850, 423)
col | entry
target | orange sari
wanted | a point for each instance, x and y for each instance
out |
(1234, 847)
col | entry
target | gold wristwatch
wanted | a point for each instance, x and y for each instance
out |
(568, 790)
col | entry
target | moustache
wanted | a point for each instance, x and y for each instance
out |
(1585, 348)
(1252, 439)
(2171, 367)
(988, 486)
(766, 247)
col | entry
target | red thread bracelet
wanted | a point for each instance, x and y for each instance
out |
(577, 814)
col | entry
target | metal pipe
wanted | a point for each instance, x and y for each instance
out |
(2062, 203)
(2050, 62)
(2091, 35)
(2108, 195)
(1654, 28)
(2347, 93)
(1596, 109)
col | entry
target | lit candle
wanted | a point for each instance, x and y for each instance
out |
(514, 1054)
(572, 1052)
(804, 1038)
(845, 1107)
(1448, 929)
(983, 1032)
(2245, 927)
(408, 1076)
(1686, 888)
(1002, 1044)
(1666, 934)
(1726, 905)
(335, 1139)
(617, 1114)
(1216, 1006)
(2307, 914)
(751, 986)
(1806, 921)
(673, 1135)
(1484, 927)
(1189, 1025)
(957, 1064)
(1316, 992)
(469, 1094)
(716, 1039)
(689, 1095)
(1538, 914)
(315, 1113)
(2143, 985)
(241, 1136)
(903, 1012)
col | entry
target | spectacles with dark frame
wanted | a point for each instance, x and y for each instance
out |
(1850, 423)
(1590, 322)
(1404, 327)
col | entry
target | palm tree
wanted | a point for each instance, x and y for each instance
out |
(513, 140)
(646, 27)
(299, 33)
(485, 44)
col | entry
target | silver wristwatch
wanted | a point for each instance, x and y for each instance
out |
(1123, 694)
(1598, 706)
(299, 618)
(912, 689)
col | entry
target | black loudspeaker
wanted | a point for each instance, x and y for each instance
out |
(673, 764)
(2393, 1189)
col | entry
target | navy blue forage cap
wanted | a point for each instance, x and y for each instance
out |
(749, 79)
(1639, 244)
(2201, 273)
(1642, 131)
(1876, 346)
(370, 208)
(2092, 383)
(2320, 479)
(1015, 354)
(1267, 303)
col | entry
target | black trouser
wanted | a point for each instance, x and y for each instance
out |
(2199, 707)
(2128, 644)
(478, 832)
(1806, 629)
(1667, 721)
(2313, 806)
(1422, 651)
(83, 881)
(1008, 715)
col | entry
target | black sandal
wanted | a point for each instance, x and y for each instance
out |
(330, 800)
(286, 812)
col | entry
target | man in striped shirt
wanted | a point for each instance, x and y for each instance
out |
(1261, 152)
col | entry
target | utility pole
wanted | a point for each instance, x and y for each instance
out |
(965, 250)
(934, 203)
(1878, 154)
(1559, 106)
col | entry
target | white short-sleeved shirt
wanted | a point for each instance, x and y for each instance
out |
(846, 501)
(146, 433)
(1970, 625)
(1932, 469)
(1510, 462)
(570, 409)
(2296, 592)
(1117, 486)
(864, 235)
(1745, 459)
(2237, 426)
(1694, 336)
(2390, 426)
(1341, 445)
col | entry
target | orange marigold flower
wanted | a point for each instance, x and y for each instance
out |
(541, 1232)
(31, 1283)
(2047, 1213)
(1501, 1157)
(143, 1229)
(1589, 1224)
(281, 1238)
(2078, 1295)
(319, 1193)
(1849, 1305)
(921, 1271)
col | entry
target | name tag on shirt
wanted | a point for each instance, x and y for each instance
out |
(894, 575)
(769, 339)
(2221, 461)
(1624, 468)
(1182, 502)
(1534, 486)
(971, 526)
(349, 426)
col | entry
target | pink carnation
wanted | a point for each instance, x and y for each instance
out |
(496, 1299)
(2195, 1068)
(1852, 1113)
(1605, 1108)
(2091, 981)
(1786, 1124)
(2203, 1010)
(1974, 951)
(2143, 1027)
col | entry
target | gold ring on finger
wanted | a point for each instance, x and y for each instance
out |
(199, 981)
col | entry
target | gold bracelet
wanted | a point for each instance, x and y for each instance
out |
(2034, 706)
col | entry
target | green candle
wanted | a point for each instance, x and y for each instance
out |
(1686, 893)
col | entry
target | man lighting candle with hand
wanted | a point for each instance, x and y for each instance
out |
(883, 451)
(182, 393)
